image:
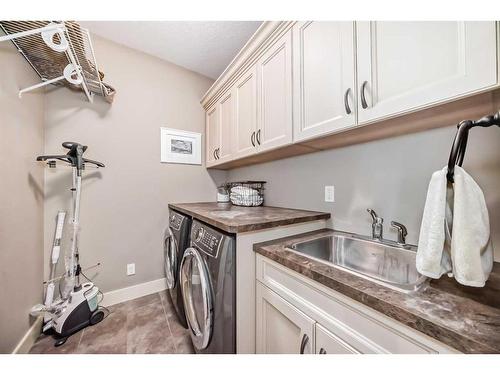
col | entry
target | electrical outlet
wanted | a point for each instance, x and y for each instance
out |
(130, 269)
(329, 194)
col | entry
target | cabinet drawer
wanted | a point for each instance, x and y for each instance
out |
(362, 328)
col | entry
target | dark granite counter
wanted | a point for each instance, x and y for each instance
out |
(237, 219)
(467, 319)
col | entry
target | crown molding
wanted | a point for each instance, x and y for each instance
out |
(262, 39)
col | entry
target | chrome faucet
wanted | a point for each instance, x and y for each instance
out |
(402, 232)
(377, 225)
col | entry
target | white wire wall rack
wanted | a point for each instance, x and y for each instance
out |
(60, 52)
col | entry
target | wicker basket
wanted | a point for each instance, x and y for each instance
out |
(247, 193)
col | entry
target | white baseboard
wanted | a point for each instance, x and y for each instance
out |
(29, 338)
(135, 291)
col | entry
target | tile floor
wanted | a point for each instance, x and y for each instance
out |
(143, 325)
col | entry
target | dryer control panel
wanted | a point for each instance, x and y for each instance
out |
(175, 221)
(206, 239)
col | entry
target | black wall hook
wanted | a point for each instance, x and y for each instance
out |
(460, 142)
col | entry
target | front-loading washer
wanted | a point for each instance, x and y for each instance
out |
(208, 282)
(176, 241)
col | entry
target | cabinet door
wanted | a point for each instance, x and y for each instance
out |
(329, 343)
(281, 328)
(407, 65)
(245, 97)
(213, 134)
(275, 95)
(226, 128)
(323, 78)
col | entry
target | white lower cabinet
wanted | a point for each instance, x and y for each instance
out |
(295, 314)
(328, 343)
(282, 329)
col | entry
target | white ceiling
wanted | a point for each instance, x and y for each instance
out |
(204, 47)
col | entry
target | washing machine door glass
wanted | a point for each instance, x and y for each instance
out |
(170, 264)
(197, 295)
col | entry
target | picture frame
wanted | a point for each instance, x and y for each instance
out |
(180, 146)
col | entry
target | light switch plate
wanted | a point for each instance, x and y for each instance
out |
(329, 194)
(130, 269)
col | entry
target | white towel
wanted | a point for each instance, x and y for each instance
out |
(471, 247)
(433, 257)
(455, 231)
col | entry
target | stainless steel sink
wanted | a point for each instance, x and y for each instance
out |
(384, 262)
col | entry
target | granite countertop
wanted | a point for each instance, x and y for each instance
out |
(237, 219)
(465, 318)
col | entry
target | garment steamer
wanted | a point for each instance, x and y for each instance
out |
(77, 306)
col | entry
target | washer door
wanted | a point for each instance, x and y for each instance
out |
(170, 263)
(197, 295)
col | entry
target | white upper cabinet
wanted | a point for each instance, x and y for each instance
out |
(275, 95)
(213, 134)
(245, 107)
(323, 78)
(403, 66)
(220, 126)
(226, 127)
(297, 81)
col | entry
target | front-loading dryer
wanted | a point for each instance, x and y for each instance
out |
(176, 241)
(208, 282)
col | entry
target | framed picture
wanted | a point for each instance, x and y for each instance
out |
(180, 146)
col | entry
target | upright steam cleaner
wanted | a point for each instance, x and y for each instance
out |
(77, 306)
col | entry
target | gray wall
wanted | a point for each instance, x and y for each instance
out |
(390, 175)
(21, 197)
(124, 206)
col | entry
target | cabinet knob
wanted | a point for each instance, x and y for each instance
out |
(346, 101)
(258, 136)
(303, 343)
(252, 139)
(216, 153)
(364, 104)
